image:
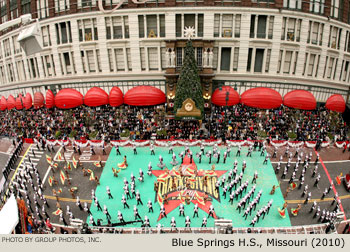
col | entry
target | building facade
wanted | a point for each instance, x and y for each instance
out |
(282, 44)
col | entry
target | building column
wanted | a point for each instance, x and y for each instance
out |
(125, 60)
(219, 60)
(256, 27)
(252, 62)
(264, 61)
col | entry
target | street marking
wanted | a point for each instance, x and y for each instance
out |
(330, 180)
(66, 199)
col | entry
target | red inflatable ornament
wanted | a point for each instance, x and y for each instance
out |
(96, 97)
(68, 98)
(226, 93)
(3, 103)
(19, 102)
(144, 96)
(116, 97)
(11, 103)
(336, 103)
(50, 99)
(300, 99)
(38, 100)
(261, 97)
(28, 102)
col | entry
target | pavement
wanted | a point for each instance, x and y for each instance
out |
(84, 185)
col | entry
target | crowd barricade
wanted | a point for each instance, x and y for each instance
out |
(166, 143)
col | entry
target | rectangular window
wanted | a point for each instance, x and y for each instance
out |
(178, 25)
(270, 31)
(259, 57)
(117, 27)
(237, 25)
(126, 27)
(128, 56)
(216, 25)
(45, 32)
(306, 56)
(284, 24)
(261, 32)
(227, 21)
(141, 26)
(295, 62)
(179, 57)
(88, 29)
(279, 61)
(268, 57)
(292, 4)
(162, 25)
(91, 61)
(225, 58)
(119, 56)
(163, 57)
(287, 62)
(151, 26)
(67, 63)
(317, 6)
(252, 26)
(153, 58)
(143, 58)
(25, 6)
(311, 64)
(62, 5)
(235, 59)
(199, 57)
(110, 60)
(249, 61)
(200, 28)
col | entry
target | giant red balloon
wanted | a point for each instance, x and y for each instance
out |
(96, 97)
(144, 96)
(38, 100)
(261, 97)
(19, 102)
(336, 102)
(11, 103)
(219, 96)
(28, 102)
(300, 99)
(68, 98)
(50, 99)
(3, 103)
(116, 97)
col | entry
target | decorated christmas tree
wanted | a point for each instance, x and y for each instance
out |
(189, 84)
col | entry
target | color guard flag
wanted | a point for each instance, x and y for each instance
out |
(49, 159)
(59, 156)
(62, 177)
(89, 171)
(69, 166)
(92, 177)
(57, 212)
(55, 164)
(293, 185)
(50, 181)
(75, 162)
(59, 191)
(97, 164)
